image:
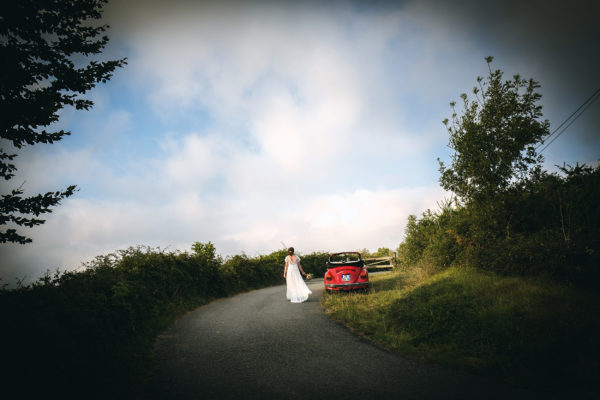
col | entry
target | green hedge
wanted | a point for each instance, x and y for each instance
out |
(89, 333)
(547, 225)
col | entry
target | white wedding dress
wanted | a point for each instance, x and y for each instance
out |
(297, 291)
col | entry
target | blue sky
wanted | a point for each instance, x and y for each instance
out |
(267, 123)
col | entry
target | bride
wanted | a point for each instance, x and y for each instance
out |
(297, 291)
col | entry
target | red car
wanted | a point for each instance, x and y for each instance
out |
(346, 271)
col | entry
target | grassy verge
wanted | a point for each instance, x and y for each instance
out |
(526, 331)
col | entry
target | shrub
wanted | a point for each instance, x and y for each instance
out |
(546, 225)
(92, 330)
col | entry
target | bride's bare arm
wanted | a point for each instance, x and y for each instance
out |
(300, 268)
(285, 270)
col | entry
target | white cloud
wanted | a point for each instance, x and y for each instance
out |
(81, 229)
(320, 128)
(304, 123)
(195, 161)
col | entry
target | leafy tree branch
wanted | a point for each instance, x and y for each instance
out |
(45, 47)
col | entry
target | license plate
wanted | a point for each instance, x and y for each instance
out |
(345, 277)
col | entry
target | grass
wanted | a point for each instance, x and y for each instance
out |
(525, 331)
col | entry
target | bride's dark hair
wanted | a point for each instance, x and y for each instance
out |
(291, 251)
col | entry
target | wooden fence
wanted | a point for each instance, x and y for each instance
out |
(379, 263)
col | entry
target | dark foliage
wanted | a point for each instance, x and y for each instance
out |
(91, 331)
(44, 45)
(548, 225)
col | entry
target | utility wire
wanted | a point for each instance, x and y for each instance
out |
(585, 106)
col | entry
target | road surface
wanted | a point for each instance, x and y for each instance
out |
(257, 345)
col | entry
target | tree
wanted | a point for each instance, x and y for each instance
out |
(382, 252)
(45, 47)
(493, 140)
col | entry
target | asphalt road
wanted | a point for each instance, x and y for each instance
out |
(257, 345)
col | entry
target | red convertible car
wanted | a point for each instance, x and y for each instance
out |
(346, 271)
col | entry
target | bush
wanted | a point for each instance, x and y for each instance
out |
(92, 330)
(546, 225)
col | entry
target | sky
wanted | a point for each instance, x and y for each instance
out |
(262, 125)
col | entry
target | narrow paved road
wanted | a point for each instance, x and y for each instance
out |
(257, 345)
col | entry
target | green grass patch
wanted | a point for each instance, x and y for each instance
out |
(526, 331)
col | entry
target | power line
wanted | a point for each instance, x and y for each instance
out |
(585, 106)
(569, 117)
(582, 107)
(573, 120)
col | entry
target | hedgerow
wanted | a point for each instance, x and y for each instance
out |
(548, 225)
(91, 331)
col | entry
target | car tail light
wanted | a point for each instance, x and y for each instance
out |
(328, 276)
(363, 274)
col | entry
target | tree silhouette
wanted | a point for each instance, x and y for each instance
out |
(43, 44)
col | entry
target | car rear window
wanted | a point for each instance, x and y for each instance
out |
(345, 259)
